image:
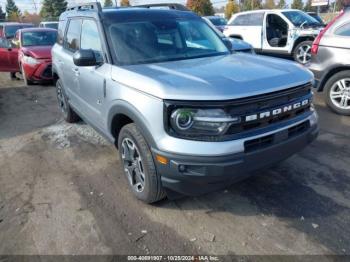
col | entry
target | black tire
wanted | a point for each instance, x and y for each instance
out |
(27, 82)
(296, 52)
(331, 82)
(152, 189)
(68, 113)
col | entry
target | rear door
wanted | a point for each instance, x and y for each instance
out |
(249, 27)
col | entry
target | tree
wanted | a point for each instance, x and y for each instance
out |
(31, 18)
(308, 7)
(2, 15)
(270, 4)
(108, 3)
(52, 9)
(124, 2)
(281, 4)
(251, 5)
(201, 7)
(297, 4)
(13, 12)
(231, 8)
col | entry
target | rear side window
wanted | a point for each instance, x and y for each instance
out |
(344, 30)
(254, 19)
(72, 41)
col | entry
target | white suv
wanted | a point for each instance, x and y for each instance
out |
(285, 32)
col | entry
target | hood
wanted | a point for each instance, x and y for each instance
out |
(215, 78)
(39, 52)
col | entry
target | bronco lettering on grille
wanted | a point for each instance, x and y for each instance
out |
(277, 111)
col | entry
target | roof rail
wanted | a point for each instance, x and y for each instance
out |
(86, 6)
(174, 6)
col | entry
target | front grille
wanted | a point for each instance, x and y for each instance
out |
(47, 73)
(266, 141)
(252, 106)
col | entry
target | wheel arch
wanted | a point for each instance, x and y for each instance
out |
(123, 113)
(331, 73)
(302, 39)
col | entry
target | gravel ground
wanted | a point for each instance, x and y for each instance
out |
(62, 192)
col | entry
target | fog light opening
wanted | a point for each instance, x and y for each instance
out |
(182, 168)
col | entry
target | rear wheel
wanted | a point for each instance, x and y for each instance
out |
(68, 113)
(337, 90)
(138, 165)
(302, 52)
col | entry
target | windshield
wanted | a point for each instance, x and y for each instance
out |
(11, 30)
(51, 25)
(158, 41)
(39, 38)
(218, 21)
(299, 18)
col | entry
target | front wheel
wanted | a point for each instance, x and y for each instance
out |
(337, 90)
(138, 165)
(302, 52)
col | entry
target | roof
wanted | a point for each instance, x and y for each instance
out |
(131, 14)
(37, 29)
(49, 22)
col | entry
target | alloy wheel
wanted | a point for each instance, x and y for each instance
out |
(340, 93)
(304, 54)
(133, 166)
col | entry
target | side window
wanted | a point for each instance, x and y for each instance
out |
(61, 28)
(256, 19)
(344, 30)
(72, 40)
(253, 19)
(90, 38)
(240, 20)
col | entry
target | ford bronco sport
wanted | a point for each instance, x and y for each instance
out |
(186, 115)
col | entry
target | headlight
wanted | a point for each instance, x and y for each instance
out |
(205, 122)
(30, 60)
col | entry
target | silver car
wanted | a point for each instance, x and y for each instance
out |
(186, 115)
(330, 63)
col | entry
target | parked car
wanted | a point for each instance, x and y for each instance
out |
(49, 24)
(187, 116)
(316, 16)
(217, 21)
(236, 45)
(283, 32)
(330, 63)
(9, 29)
(29, 52)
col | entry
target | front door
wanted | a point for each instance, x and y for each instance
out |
(276, 34)
(8, 56)
(92, 89)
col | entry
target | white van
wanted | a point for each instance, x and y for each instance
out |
(285, 31)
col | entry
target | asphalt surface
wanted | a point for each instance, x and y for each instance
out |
(62, 191)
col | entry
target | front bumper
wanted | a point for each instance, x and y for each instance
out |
(39, 73)
(195, 175)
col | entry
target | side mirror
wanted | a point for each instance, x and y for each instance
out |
(227, 43)
(85, 58)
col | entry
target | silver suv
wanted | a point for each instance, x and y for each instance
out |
(331, 63)
(187, 116)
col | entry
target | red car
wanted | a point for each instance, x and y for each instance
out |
(29, 52)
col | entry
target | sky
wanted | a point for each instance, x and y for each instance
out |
(29, 5)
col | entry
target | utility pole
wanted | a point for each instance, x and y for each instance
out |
(35, 7)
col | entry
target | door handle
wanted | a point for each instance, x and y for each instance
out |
(76, 71)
